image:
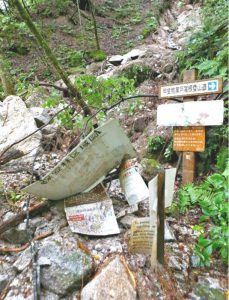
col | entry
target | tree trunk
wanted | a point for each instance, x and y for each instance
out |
(92, 9)
(51, 57)
(5, 77)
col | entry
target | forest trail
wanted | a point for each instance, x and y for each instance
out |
(74, 266)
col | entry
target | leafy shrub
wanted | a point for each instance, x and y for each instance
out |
(155, 144)
(150, 26)
(210, 196)
(139, 73)
(210, 60)
(216, 138)
(99, 93)
(97, 55)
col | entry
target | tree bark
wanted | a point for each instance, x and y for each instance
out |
(7, 83)
(51, 57)
(92, 9)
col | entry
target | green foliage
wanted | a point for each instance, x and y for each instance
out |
(211, 197)
(222, 159)
(51, 8)
(11, 27)
(14, 196)
(139, 73)
(158, 145)
(133, 105)
(210, 60)
(97, 55)
(99, 93)
(216, 138)
(155, 144)
(150, 26)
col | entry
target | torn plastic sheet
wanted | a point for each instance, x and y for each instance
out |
(91, 213)
(87, 164)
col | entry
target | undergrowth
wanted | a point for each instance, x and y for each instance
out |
(211, 197)
(207, 49)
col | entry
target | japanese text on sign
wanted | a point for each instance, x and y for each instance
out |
(189, 139)
(192, 88)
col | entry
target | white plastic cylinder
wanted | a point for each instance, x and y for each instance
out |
(132, 184)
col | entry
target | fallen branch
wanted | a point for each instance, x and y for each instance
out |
(15, 220)
(19, 249)
(59, 88)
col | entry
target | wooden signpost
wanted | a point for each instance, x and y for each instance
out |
(189, 117)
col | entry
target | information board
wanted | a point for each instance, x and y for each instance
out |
(189, 139)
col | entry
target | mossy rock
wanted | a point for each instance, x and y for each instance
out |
(97, 55)
(137, 71)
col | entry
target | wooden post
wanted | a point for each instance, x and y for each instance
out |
(161, 217)
(188, 165)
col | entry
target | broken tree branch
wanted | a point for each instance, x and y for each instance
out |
(59, 88)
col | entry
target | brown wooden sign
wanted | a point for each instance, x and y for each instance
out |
(189, 139)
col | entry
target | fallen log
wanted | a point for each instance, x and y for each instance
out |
(15, 220)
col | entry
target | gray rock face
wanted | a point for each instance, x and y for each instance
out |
(40, 115)
(17, 235)
(113, 282)
(16, 122)
(116, 60)
(23, 261)
(67, 270)
(207, 289)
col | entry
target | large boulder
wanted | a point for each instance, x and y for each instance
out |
(115, 281)
(65, 270)
(16, 122)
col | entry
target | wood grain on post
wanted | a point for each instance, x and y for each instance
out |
(161, 217)
(188, 165)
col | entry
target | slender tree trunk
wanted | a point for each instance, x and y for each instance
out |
(92, 9)
(51, 57)
(5, 77)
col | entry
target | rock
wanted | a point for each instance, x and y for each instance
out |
(168, 68)
(3, 281)
(67, 268)
(140, 124)
(114, 281)
(174, 264)
(116, 60)
(132, 55)
(94, 68)
(17, 235)
(16, 122)
(37, 98)
(207, 289)
(23, 261)
(127, 220)
(40, 115)
(188, 20)
(195, 261)
(46, 295)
